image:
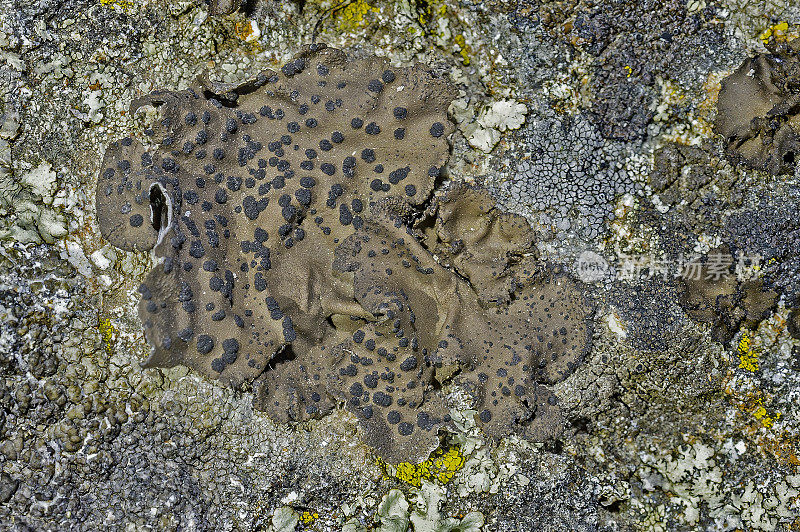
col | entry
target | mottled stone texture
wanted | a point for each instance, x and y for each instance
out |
(682, 416)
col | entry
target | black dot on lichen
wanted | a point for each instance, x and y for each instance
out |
(405, 428)
(204, 344)
(368, 155)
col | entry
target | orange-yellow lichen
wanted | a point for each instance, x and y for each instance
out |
(308, 517)
(247, 30)
(107, 332)
(748, 357)
(441, 466)
(757, 416)
(758, 422)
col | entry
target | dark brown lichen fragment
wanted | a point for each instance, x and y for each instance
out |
(223, 7)
(286, 218)
(130, 202)
(711, 293)
(680, 172)
(757, 111)
(793, 324)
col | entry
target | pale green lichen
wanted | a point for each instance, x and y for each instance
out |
(285, 519)
(28, 203)
(393, 512)
(427, 516)
(695, 478)
(484, 124)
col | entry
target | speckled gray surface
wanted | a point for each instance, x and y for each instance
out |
(571, 112)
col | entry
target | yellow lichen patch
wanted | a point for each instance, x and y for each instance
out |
(107, 332)
(463, 48)
(441, 466)
(779, 32)
(308, 517)
(757, 416)
(354, 15)
(767, 420)
(748, 357)
(760, 424)
(432, 9)
(753, 404)
(124, 4)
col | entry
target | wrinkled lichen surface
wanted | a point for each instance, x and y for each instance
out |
(598, 124)
(281, 215)
(757, 110)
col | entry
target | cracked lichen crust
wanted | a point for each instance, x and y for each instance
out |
(282, 215)
(571, 179)
(757, 111)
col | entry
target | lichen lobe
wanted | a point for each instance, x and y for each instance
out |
(757, 110)
(299, 249)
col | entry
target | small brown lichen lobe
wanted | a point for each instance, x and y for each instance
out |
(757, 110)
(283, 214)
